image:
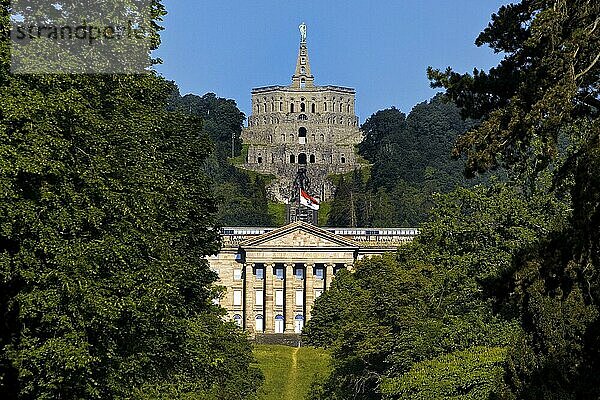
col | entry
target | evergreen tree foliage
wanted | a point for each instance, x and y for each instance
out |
(546, 89)
(398, 322)
(105, 222)
(242, 198)
(411, 160)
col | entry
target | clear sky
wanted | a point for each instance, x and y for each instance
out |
(380, 48)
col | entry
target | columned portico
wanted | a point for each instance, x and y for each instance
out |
(273, 277)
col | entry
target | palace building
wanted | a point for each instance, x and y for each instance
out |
(272, 276)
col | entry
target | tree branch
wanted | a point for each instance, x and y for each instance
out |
(585, 71)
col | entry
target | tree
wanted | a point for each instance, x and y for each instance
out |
(411, 160)
(242, 198)
(545, 92)
(402, 319)
(105, 223)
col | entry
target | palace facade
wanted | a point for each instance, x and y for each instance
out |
(272, 276)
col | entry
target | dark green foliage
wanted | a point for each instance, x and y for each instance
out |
(404, 318)
(411, 159)
(546, 88)
(241, 195)
(105, 220)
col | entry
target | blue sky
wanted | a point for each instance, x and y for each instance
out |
(380, 48)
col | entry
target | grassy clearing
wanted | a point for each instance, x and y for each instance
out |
(289, 371)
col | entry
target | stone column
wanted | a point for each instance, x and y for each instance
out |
(290, 298)
(309, 292)
(328, 275)
(248, 298)
(269, 316)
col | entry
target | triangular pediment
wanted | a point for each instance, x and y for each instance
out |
(299, 235)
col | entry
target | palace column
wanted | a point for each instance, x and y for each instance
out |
(328, 275)
(269, 316)
(309, 291)
(289, 298)
(248, 298)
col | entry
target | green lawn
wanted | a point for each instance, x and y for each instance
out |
(289, 371)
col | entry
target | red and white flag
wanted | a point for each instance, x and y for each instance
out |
(308, 201)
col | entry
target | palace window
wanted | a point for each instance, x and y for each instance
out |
(312, 158)
(260, 273)
(313, 108)
(259, 160)
(299, 272)
(292, 159)
(259, 295)
(237, 318)
(258, 323)
(237, 297)
(299, 297)
(325, 106)
(279, 273)
(298, 323)
(279, 297)
(279, 324)
(302, 107)
(292, 108)
(343, 159)
(237, 274)
(319, 272)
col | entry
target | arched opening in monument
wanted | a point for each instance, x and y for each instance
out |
(313, 108)
(292, 159)
(302, 158)
(302, 135)
(259, 159)
(322, 137)
(302, 107)
(292, 107)
(325, 106)
(303, 83)
(312, 158)
(302, 117)
(302, 70)
(343, 160)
